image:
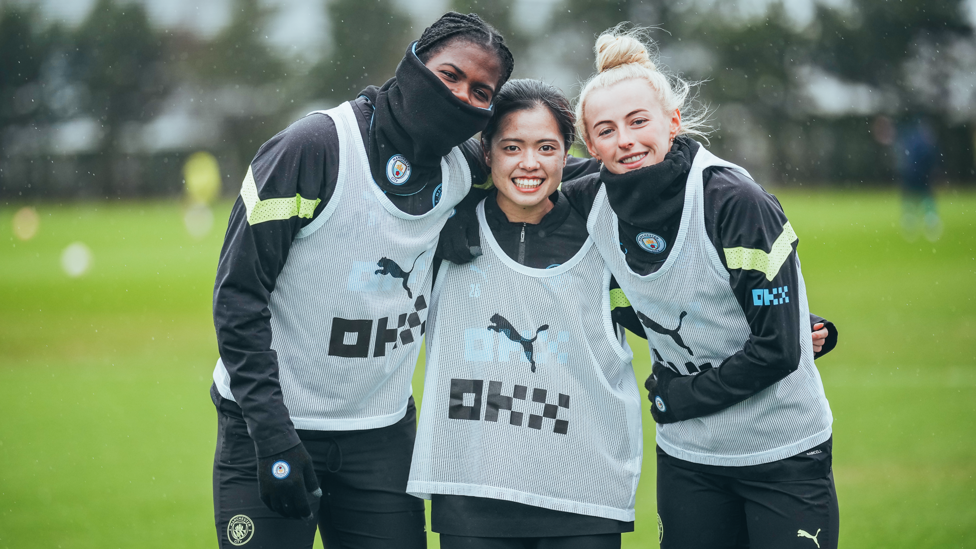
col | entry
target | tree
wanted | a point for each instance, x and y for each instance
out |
(368, 39)
(118, 58)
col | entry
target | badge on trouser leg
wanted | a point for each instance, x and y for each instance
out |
(240, 529)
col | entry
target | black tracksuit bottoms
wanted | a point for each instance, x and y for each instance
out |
(700, 510)
(363, 475)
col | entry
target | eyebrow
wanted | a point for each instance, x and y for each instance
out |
(463, 74)
(517, 140)
(628, 115)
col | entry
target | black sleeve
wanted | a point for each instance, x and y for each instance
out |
(475, 156)
(757, 245)
(579, 167)
(287, 185)
(581, 192)
(621, 311)
(831, 340)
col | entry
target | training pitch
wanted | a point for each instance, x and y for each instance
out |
(107, 430)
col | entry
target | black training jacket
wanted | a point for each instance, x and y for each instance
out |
(738, 213)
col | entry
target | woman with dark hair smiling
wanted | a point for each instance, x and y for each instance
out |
(530, 432)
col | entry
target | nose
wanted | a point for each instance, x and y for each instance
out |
(625, 138)
(461, 92)
(529, 161)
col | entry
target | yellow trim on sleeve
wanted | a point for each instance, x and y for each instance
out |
(618, 299)
(273, 209)
(758, 260)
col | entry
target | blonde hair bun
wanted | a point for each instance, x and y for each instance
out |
(615, 48)
(625, 53)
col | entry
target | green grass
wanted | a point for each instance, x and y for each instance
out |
(107, 431)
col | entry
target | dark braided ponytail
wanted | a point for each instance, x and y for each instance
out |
(470, 28)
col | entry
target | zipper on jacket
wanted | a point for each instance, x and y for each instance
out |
(521, 254)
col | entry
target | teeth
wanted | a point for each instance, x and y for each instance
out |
(632, 158)
(527, 183)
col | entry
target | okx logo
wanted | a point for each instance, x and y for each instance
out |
(776, 296)
(466, 403)
(351, 338)
(501, 325)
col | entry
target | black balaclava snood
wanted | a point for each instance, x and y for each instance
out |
(417, 117)
(647, 195)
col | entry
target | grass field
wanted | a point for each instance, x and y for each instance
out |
(107, 430)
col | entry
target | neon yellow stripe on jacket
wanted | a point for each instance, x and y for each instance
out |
(758, 260)
(273, 209)
(618, 299)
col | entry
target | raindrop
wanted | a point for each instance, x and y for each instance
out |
(76, 259)
(26, 223)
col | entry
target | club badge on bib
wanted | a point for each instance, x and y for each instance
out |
(398, 169)
(651, 242)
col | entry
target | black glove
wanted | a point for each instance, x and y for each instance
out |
(657, 392)
(286, 480)
(460, 240)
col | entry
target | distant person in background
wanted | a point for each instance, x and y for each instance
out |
(321, 299)
(917, 154)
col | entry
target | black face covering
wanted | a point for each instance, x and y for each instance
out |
(416, 122)
(644, 196)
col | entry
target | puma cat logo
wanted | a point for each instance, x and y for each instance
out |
(804, 534)
(501, 325)
(389, 267)
(673, 334)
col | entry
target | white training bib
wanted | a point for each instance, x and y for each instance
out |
(694, 322)
(529, 393)
(349, 308)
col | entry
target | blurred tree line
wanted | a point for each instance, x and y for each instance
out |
(112, 106)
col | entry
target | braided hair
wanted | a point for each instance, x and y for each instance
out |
(453, 26)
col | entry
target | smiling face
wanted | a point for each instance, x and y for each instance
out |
(626, 126)
(526, 157)
(470, 71)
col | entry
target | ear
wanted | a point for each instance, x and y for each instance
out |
(487, 152)
(675, 122)
(591, 149)
(565, 158)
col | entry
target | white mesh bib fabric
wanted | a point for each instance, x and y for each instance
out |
(566, 436)
(349, 307)
(695, 322)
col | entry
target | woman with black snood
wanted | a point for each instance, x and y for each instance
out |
(708, 261)
(321, 299)
(528, 221)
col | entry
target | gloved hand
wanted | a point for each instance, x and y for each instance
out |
(657, 392)
(286, 480)
(460, 240)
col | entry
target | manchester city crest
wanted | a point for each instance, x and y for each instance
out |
(651, 242)
(398, 169)
(240, 529)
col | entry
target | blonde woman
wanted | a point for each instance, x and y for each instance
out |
(708, 260)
